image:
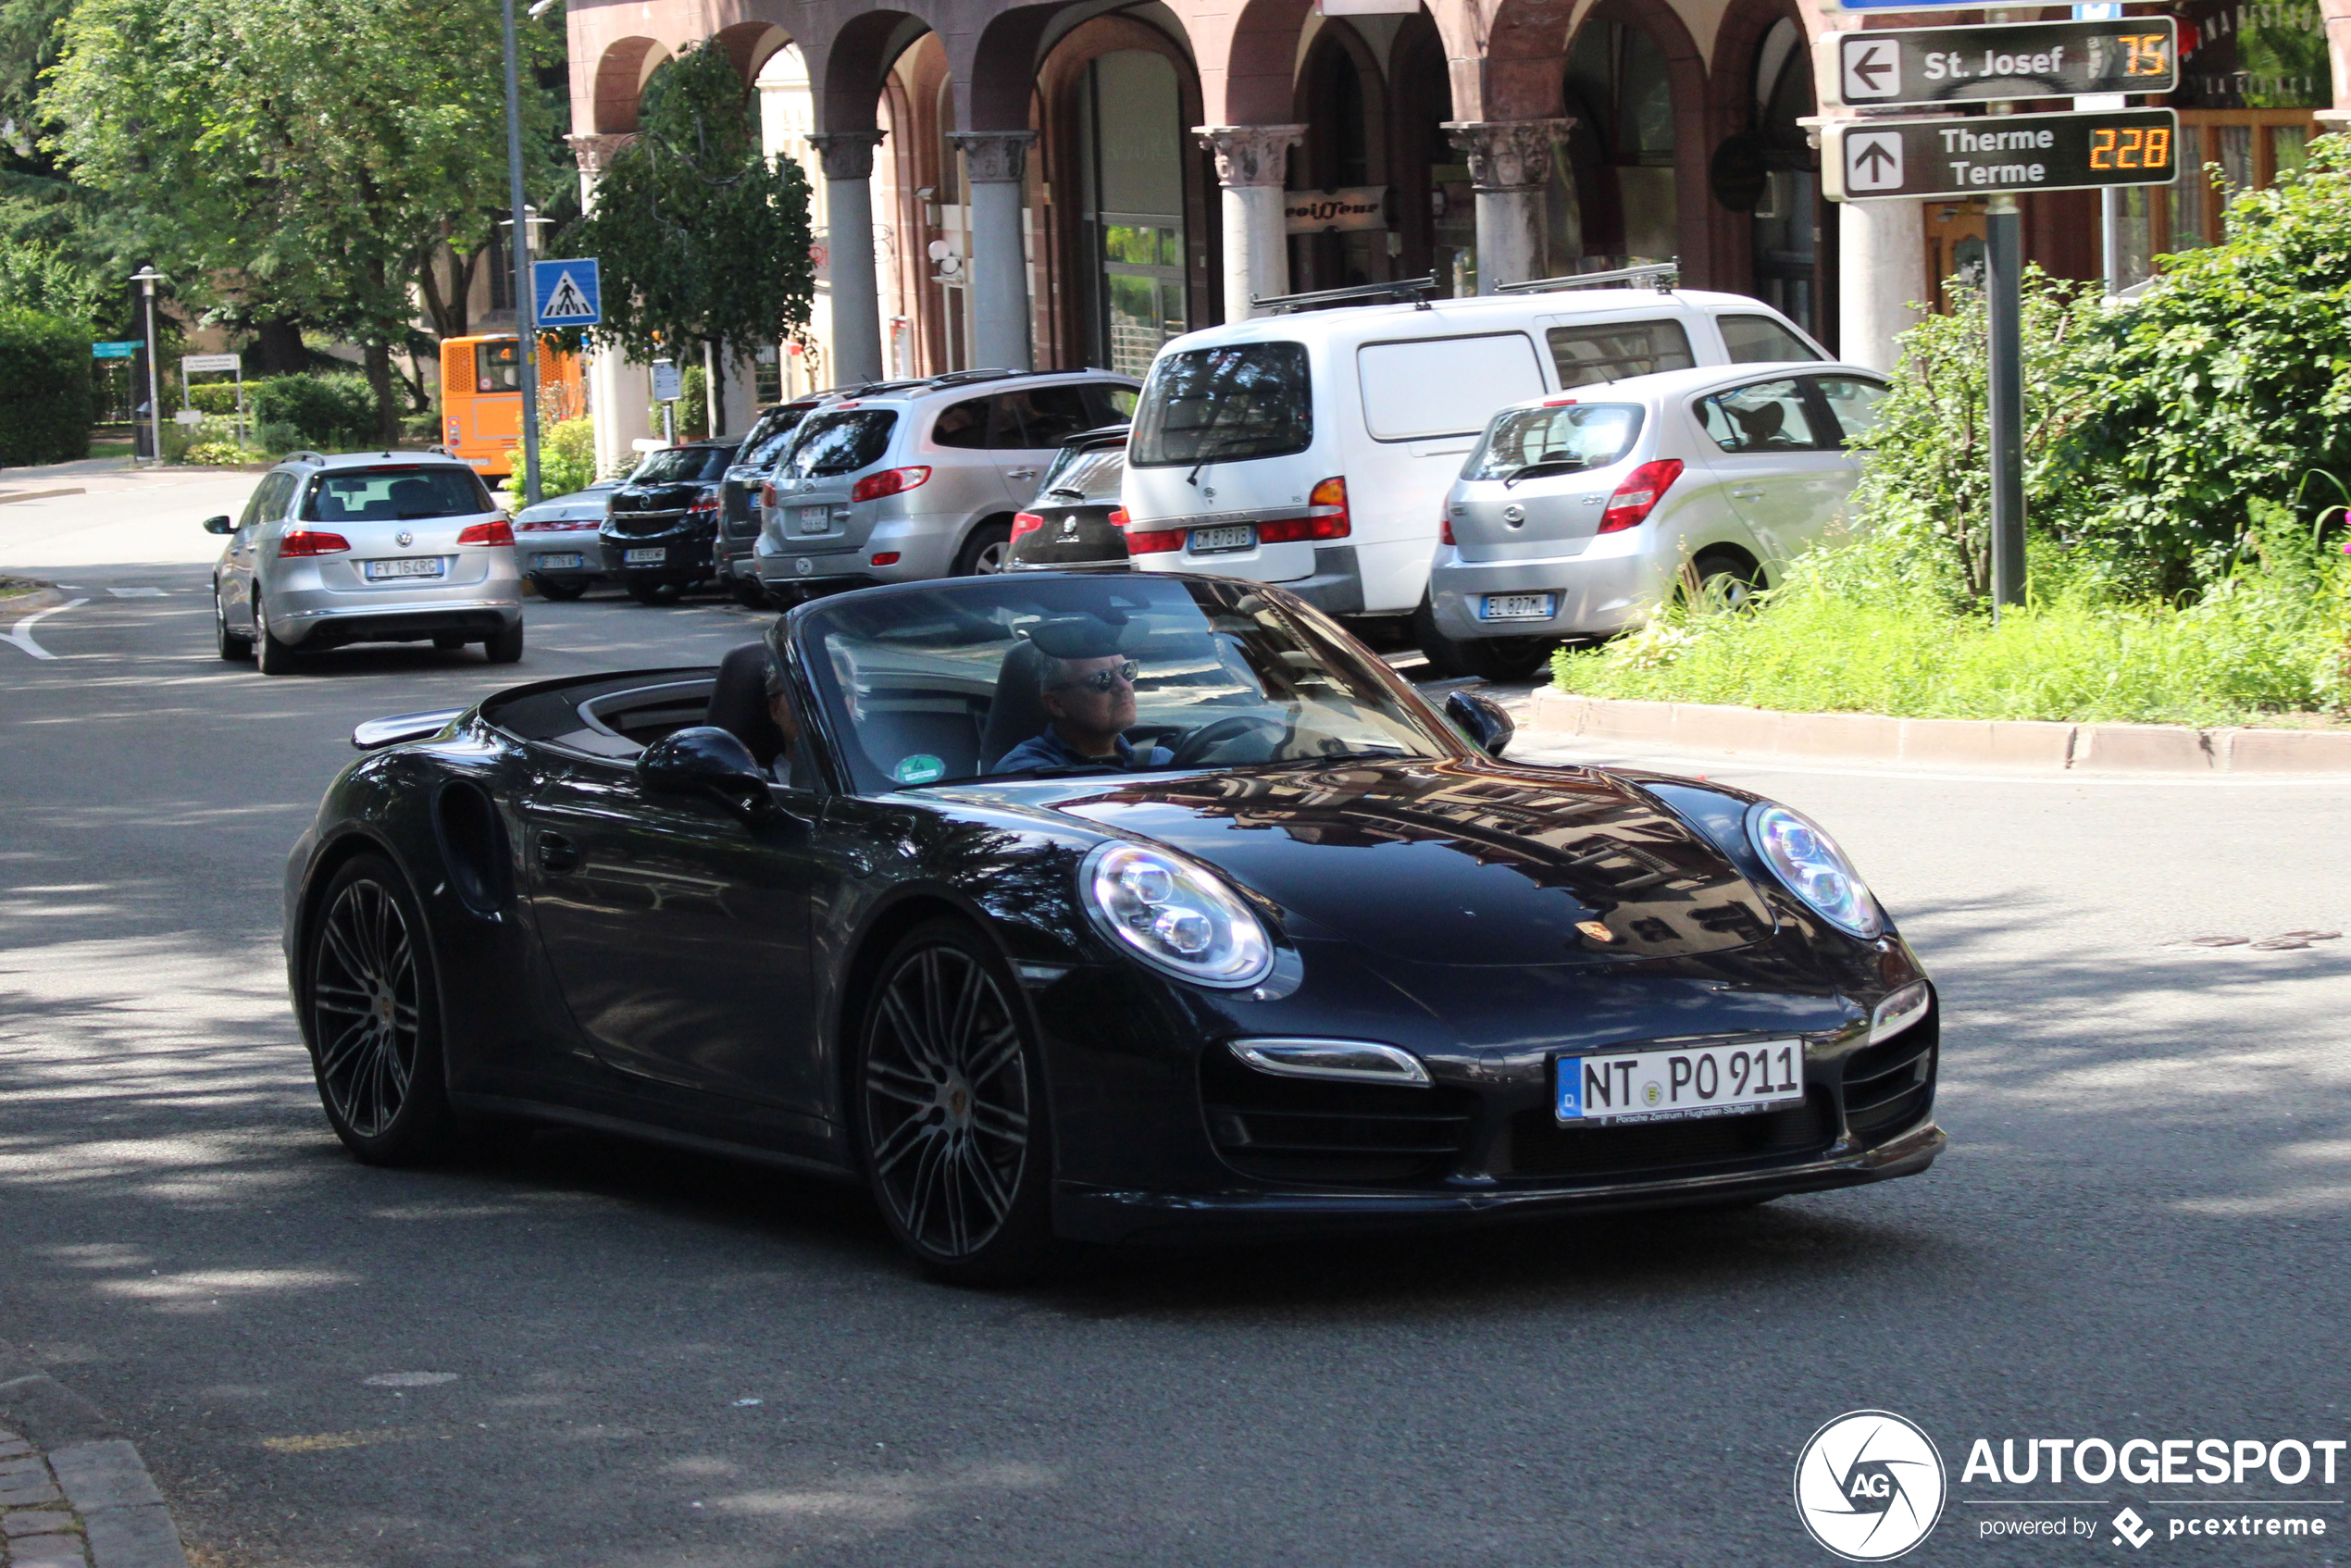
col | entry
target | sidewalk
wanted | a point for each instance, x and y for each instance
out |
(71, 1496)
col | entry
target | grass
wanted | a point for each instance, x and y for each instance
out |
(1861, 629)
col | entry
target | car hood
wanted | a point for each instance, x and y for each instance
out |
(1453, 862)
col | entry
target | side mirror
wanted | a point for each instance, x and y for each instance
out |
(706, 760)
(1482, 719)
(219, 525)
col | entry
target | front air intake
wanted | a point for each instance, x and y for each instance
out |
(1323, 1133)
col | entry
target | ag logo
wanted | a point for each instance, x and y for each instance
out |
(1869, 1486)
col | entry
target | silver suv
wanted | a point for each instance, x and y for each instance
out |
(378, 547)
(921, 480)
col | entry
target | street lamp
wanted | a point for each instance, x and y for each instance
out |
(147, 277)
(526, 307)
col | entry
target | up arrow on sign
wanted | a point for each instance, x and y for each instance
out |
(1873, 70)
(1873, 162)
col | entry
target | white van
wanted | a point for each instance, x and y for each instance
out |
(1315, 450)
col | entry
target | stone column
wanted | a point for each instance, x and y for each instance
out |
(1510, 163)
(994, 164)
(1252, 166)
(1881, 270)
(847, 156)
(619, 397)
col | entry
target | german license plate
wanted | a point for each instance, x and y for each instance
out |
(816, 519)
(1676, 1084)
(1519, 607)
(653, 557)
(560, 563)
(420, 566)
(1205, 542)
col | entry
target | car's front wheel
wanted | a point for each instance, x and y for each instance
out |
(230, 646)
(951, 1111)
(375, 1018)
(275, 657)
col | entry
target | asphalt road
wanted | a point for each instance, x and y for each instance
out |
(586, 1353)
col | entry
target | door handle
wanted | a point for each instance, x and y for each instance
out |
(1750, 494)
(557, 853)
(1020, 473)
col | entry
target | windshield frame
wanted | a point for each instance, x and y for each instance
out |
(799, 640)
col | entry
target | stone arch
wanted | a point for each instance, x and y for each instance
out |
(857, 60)
(1248, 65)
(998, 67)
(1523, 62)
(749, 44)
(1693, 135)
(621, 74)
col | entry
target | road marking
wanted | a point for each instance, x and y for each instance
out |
(39, 494)
(22, 635)
(136, 592)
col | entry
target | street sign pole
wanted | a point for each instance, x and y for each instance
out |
(2003, 302)
(146, 277)
(526, 315)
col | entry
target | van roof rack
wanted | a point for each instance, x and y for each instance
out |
(965, 377)
(1664, 275)
(1416, 290)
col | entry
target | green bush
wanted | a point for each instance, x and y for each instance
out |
(567, 459)
(325, 410)
(1862, 627)
(217, 454)
(216, 397)
(44, 389)
(2229, 380)
(278, 437)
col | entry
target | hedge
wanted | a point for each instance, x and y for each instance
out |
(44, 389)
(321, 411)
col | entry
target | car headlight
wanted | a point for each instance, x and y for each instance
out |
(1815, 870)
(1175, 915)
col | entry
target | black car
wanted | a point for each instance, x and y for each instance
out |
(660, 536)
(1076, 523)
(738, 497)
(1293, 954)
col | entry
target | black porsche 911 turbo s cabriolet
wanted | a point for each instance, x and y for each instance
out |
(1066, 909)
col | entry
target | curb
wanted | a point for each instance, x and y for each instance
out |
(1944, 742)
(71, 1494)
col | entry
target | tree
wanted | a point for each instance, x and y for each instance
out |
(300, 159)
(703, 241)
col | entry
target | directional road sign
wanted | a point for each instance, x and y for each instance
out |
(1989, 154)
(125, 350)
(193, 364)
(567, 294)
(1941, 64)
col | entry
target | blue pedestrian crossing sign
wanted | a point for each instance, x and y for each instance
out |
(567, 294)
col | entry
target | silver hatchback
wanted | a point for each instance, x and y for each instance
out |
(393, 547)
(1576, 516)
(921, 480)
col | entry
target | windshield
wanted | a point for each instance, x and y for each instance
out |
(1562, 440)
(1225, 405)
(767, 441)
(390, 495)
(839, 443)
(498, 367)
(1091, 474)
(683, 465)
(944, 685)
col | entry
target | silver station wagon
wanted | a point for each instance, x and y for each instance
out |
(1576, 516)
(377, 547)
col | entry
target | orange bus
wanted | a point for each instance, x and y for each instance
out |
(481, 398)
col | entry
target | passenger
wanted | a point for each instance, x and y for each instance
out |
(1088, 690)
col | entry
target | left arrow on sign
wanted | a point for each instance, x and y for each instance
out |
(1872, 70)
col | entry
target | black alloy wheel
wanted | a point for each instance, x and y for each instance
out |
(561, 593)
(952, 1108)
(1720, 581)
(375, 1018)
(233, 647)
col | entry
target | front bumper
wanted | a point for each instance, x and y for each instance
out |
(1599, 592)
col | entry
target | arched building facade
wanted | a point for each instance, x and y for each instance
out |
(1074, 182)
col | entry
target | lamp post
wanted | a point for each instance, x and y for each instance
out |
(147, 277)
(526, 307)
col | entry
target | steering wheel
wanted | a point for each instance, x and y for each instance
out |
(1208, 737)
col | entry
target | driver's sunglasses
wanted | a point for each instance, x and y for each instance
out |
(1105, 680)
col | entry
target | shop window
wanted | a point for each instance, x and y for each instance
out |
(1133, 183)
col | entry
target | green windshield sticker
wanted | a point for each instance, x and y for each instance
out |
(920, 768)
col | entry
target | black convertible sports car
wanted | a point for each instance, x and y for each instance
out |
(1062, 908)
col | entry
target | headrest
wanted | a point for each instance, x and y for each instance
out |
(1080, 637)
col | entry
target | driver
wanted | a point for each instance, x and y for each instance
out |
(1088, 690)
